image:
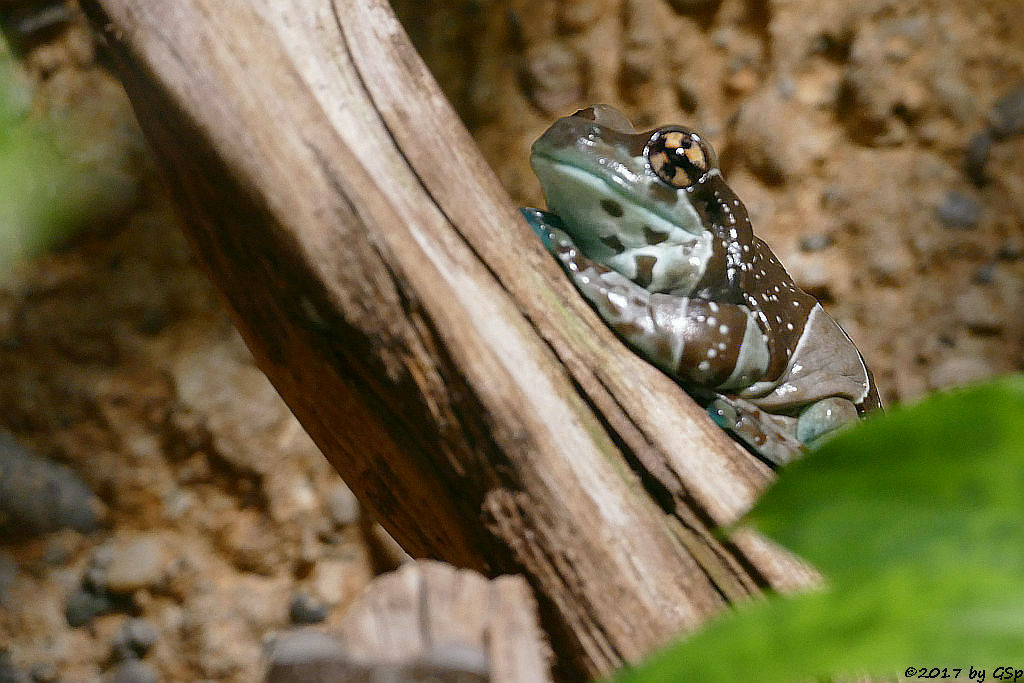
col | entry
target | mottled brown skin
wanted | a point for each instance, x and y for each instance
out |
(743, 270)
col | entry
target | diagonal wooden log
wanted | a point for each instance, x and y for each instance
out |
(388, 288)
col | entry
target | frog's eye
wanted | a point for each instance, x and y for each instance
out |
(679, 157)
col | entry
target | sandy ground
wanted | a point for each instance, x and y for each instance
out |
(876, 144)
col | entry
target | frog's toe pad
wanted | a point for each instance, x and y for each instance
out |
(825, 417)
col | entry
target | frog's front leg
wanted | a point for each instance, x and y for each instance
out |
(714, 345)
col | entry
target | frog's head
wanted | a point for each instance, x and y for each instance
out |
(629, 199)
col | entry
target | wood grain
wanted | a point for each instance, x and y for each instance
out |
(425, 621)
(418, 331)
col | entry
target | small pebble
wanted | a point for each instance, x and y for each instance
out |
(306, 610)
(134, 639)
(686, 6)
(786, 86)
(342, 505)
(83, 605)
(976, 157)
(45, 672)
(57, 552)
(132, 671)
(1011, 252)
(953, 92)
(8, 672)
(1007, 115)
(979, 311)
(985, 275)
(958, 211)
(95, 578)
(38, 496)
(778, 141)
(816, 242)
(8, 573)
(136, 563)
(831, 197)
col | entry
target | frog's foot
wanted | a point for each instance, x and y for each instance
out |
(771, 437)
(780, 439)
(824, 418)
(547, 226)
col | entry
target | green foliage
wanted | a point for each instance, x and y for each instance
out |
(53, 178)
(915, 519)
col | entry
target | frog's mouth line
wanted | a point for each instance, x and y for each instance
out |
(556, 174)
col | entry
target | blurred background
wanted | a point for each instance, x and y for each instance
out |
(162, 514)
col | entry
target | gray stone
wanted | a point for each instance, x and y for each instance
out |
(132, 671)
(979, 310)
(1007, 115)
(959, 211)
(8, 573)
(342, 505)
(816, 242)
(44, 672)
(976, 157)
(777, 139)
(305, 610)
(38, 496)
(57, 552)
(137, 562)
(95, 578)
(985, 275)
(8, 672)
(687, 6)
(134, 639)
(83, 605)
(955, 95)
(1011, 251)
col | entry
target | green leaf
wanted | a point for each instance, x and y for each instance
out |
(915, 518)
(880, 628)
(934, 484)
(58, 172)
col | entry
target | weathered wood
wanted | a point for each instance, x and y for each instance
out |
(418, 331)
(425, 621)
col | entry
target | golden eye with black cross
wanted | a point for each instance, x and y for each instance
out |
(678, 156)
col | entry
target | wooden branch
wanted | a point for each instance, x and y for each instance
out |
(419, 332)
(425, 621)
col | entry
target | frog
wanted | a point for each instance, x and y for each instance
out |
(650, 234)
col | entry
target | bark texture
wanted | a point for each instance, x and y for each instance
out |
(425, 621)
